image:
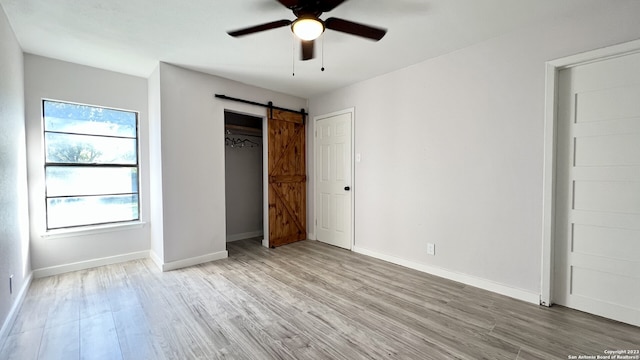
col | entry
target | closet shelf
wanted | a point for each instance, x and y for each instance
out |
(242, 130)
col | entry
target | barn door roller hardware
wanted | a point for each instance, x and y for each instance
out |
(269, 105)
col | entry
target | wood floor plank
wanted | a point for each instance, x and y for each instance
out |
(98, 338)
(64, 306)
(22, 345)
(61, 342)
(134, 334)
(528, 354)
(33, 313)
(306, 300)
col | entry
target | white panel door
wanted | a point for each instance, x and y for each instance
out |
(334, 180)
(597, 242)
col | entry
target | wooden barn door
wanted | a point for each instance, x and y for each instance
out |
(287, 178)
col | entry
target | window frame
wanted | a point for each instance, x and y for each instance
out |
(46, 164)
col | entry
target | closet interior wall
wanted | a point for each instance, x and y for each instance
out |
(243, 176)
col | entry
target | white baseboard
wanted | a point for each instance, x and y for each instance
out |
(88, 264)
(13, 312)
(156, 259)
(246, 235)
(484, 284)
(174, 265)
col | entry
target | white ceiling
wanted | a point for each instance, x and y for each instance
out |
(131, 36)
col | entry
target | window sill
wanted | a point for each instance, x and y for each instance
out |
(91, 230)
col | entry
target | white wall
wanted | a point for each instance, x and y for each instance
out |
(193, 157)
(156, 231)
(452, 151)
(14, 230)
(243, 190)
(58, 80)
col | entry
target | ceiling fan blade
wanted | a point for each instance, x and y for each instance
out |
(258, 28)
(307, 49)
(354, 28)
(328, 5)
(288, 3)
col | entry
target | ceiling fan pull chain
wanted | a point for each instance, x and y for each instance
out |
(322, 41)
(293, 55)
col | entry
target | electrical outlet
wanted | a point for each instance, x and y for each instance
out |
(431, 249)
(10, 284)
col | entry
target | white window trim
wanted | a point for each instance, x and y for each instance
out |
(81, 230)
(92, 229)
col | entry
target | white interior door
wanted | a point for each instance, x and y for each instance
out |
(597, 240)
(334, 179)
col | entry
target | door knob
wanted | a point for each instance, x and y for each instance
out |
(346, 188)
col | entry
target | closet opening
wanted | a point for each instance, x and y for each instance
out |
(244, 187)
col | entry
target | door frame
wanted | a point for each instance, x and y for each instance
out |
(247, 109)
(553, 67)
(350, 111)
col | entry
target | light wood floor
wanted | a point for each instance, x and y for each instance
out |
(302, 301)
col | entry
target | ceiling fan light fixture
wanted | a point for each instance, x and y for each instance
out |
(307, 28)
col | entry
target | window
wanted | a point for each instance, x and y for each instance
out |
(91, 165)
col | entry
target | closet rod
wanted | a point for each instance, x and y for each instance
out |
(269, 105)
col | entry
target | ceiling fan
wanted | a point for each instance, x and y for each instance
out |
(308, 26)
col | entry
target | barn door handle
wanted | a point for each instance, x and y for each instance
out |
(346, 188)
